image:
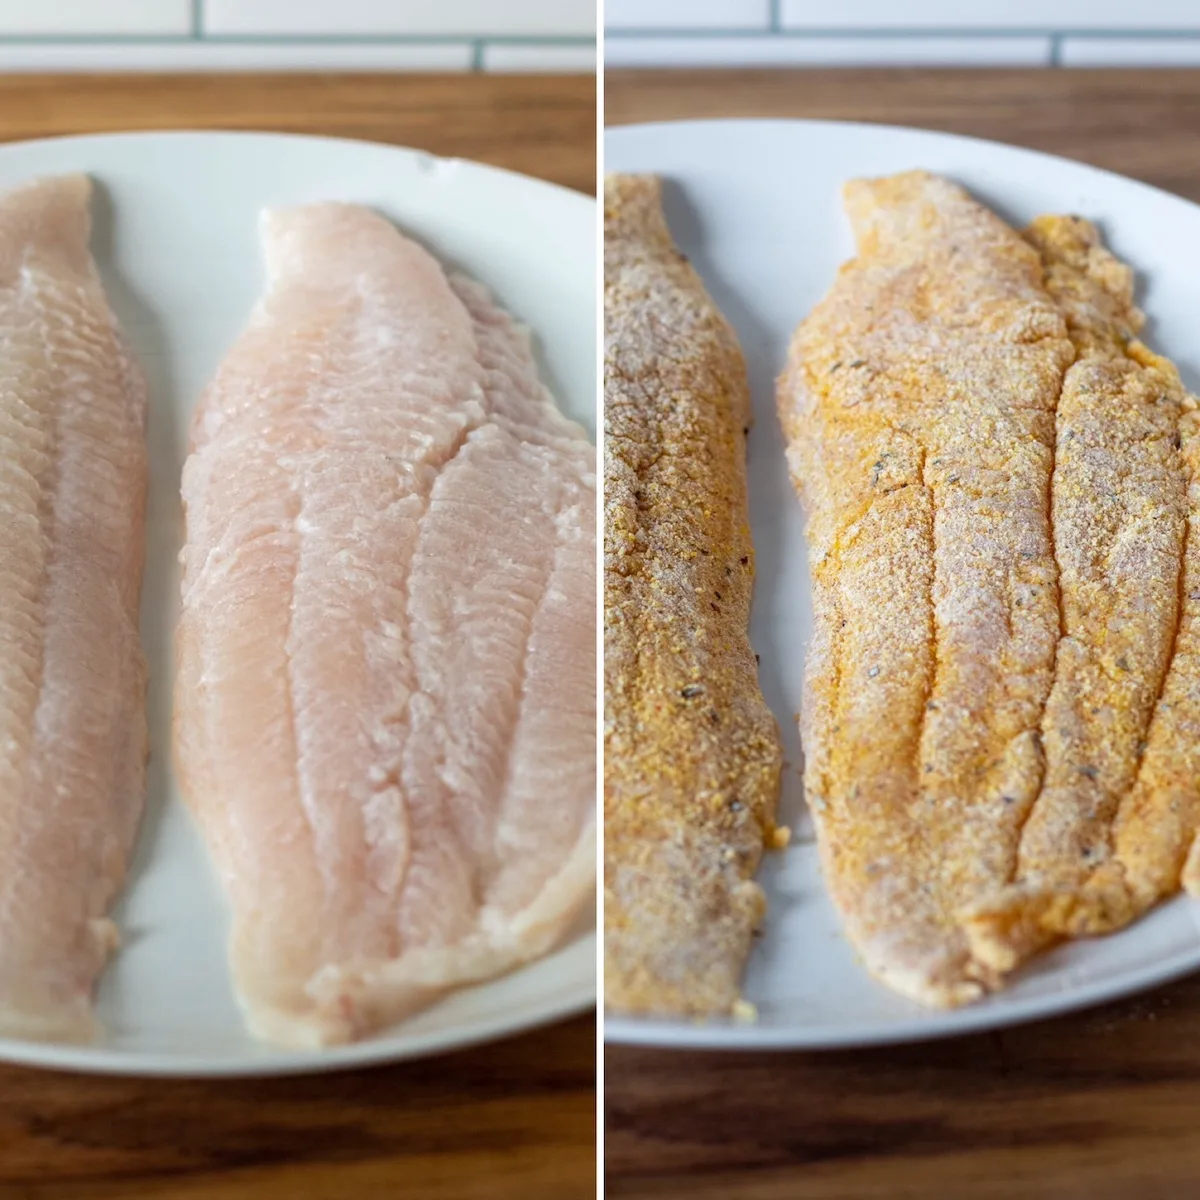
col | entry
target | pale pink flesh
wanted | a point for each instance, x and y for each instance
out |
(385, 705)
(73, 476)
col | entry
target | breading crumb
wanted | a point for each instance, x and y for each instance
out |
(743, 1012)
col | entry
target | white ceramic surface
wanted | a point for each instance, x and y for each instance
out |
(756, 207)
(176, 220)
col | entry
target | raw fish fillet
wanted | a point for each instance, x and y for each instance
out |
(73, 477)
(385, 701)
(692, 754)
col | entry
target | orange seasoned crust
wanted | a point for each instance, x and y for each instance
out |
(919, 406)
(1002, 710)
(1119, 515)
(1118, 811)
(691, 756)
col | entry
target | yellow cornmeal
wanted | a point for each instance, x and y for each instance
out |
(1119, 515)
(919, 404)
(692, 757)
(988, 760)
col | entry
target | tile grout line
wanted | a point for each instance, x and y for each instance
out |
(295, 40)
(1025, 31)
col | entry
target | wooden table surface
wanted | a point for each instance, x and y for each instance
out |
(1103, 1105)
(542, 125)
(515, 1119)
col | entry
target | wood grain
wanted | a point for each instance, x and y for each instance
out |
(516, 1119)
(1098, 1105)
(540, 125)
(1102, 1105)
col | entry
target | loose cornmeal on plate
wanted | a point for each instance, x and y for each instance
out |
(692, 756)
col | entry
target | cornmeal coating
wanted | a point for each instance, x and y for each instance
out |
(1110, 833)
(1002, 712)
(691, 751)
(919, 403)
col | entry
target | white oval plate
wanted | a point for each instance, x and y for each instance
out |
(756, 206)
(176, 218)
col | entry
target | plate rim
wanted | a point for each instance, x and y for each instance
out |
(391, 1045)
(883, 127)
(935, 1024)
(384, 1050)
(200, 131)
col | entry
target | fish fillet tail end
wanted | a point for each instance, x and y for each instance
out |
(1027, 918)
(676, 932)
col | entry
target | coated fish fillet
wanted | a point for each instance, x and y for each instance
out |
(692, 757)
(919, 403)
(385, 704)
(1117, 813)
(73, 477)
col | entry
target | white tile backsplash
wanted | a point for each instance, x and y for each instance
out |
(1052, 15)
(650, 33)
(558, 35)
(538, 60)
(1130, 52)
(825, 51)
(401, 35)
(106, 18)
(696, 14)
(342, 18)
